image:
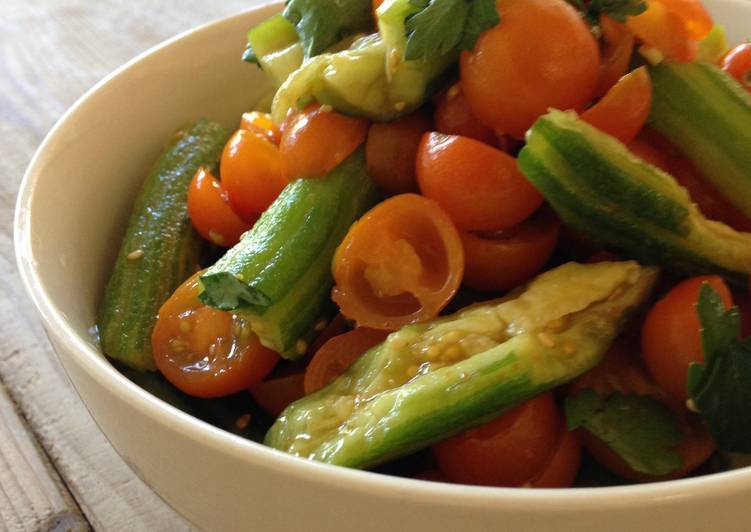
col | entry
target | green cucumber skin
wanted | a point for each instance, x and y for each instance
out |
(355, 422)
(707, 114)
(599, 188)
(280, 272)
(159, 226)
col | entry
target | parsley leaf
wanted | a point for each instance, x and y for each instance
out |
(721, 387)
(641, 429)
(618, 10)
(442, 26)
(322, 23)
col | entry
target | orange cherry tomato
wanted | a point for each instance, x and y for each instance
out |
(274, 395)
(737, 63)
(561, 470)
(623, 111)
(336, 355)
(211, 213)
(509, 258)
(262, 124)
(207, 352)
(315, 140)
(508, 451)
(670, 334)
(694, 15)
(617, 47)
(400, 263)
(541, 55)
(622, 372)
(251, 172)
(391, 150)
(481, 188)
(453, 117)
(665, 30)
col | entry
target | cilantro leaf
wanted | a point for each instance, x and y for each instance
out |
(641, 429)
(322, 23)
(440, 27)
(618, 10)
(720, 388)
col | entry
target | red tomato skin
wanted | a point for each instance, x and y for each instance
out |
(541, 55)
(454, 117)
(623, 111)
(196, 348)
(670, 339)
(481, 188)
(508, 451)
(737, 63)
(561, 470)
(210, 212)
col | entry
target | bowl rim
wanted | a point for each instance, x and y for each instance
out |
(93, 362)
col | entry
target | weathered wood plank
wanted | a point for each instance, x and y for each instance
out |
(32, 497)
(51, 51)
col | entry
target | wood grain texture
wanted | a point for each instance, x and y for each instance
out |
(51, 52)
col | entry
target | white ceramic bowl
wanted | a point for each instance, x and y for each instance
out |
(72, 207)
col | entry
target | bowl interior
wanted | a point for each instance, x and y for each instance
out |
(76, 197)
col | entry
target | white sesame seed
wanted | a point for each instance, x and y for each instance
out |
(400, 106)
(243, 421)
(454, 91)
(321, 325)
(326, 108)
(301, 346)
(691, 405)
(216, 238)
(135, 254)
(545, 339)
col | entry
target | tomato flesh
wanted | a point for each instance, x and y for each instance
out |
(400, 263)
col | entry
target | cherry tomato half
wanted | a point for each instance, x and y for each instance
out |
(508, 451)
(336, 355)
(541, 55)
(400, 263)
(617, 47)
(623, 111)
(211, 213)
(251, 173)
(274, 395)
(391, 151)
(621, 371)
(453, 117)
(737, 63)
(563, 466)
(670, 334)
(481, 188)
(207, 352)
(315, 140)
(504, 260)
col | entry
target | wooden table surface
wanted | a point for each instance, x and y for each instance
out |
(57, 471)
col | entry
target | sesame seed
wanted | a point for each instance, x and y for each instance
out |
(569, 349)
(240, 277)
(326, 108)
(135, 254)
(243, 421)
(400, 106)
(453, 91)
(691, 405)
(216, 238)
(545, 339)
(301, 346)
(321, 325)
(557, 324)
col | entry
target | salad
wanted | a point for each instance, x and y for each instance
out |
(503, 243)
